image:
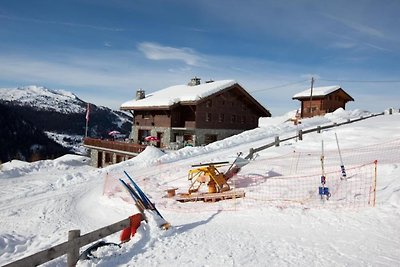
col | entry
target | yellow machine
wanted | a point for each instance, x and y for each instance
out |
(208, 174)
(216, 181)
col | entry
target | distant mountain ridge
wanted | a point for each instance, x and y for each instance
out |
(59, 112)
(42, 98)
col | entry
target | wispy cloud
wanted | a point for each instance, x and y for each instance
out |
(69, 24)
(156, 51)
(110, 77)
(377, 47)
(364, 29)
(344, 45)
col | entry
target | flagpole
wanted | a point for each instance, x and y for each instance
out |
(86, 129)
(87, 119)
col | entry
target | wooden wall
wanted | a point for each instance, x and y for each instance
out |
(321, 106)
(228, 110)
(161, 118)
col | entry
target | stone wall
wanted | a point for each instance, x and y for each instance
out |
(220, 133)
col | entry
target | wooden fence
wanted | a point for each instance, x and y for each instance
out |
(71, 247)
(300, 134)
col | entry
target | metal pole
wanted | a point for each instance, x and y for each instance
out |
(375, 177)
(344, 175)
(311, 95)
(87, 119)
(322, 159)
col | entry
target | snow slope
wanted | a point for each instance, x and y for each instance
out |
(46, 99)
(41, 201)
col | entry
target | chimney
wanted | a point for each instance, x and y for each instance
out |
(194, 81)
(140, 94)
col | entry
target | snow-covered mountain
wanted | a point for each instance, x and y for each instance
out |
(42, 98)
(61, 115)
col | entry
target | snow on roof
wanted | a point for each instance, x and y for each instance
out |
(178, 93)
(317, 91)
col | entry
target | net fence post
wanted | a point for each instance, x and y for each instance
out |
(374, 185)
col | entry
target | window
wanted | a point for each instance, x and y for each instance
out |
(209, 138)
(146, 115)
(233, 118)
(208, 116)
(221, 117)
(209, 103)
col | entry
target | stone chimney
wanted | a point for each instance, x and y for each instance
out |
(194, 81)
(140, 94)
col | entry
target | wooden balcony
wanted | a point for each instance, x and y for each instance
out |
(114, 146)
(190, 124)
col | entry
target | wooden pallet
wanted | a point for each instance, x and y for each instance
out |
(209, 197)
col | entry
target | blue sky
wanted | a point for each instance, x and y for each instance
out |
(103, 51)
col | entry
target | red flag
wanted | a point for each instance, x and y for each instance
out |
(87, 112)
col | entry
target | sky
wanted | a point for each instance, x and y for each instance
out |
(103, 51)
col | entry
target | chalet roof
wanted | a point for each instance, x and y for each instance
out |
(320, 91)
(178, 93)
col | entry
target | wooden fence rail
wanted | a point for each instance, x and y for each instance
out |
(301, 132)
(71, 247)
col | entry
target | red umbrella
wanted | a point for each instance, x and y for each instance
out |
(151, 138)
(113, 133)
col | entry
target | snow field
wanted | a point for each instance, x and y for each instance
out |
(42, 201)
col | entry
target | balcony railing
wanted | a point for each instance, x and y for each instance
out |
(190, 124)
(114, 145)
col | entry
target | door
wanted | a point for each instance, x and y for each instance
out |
(159, 138)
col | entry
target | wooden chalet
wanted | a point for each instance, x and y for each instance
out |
(322, 100)
(193, 114)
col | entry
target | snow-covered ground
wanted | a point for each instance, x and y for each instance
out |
(42, 201)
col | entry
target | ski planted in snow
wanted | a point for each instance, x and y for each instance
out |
(146, 201)
(138, 201)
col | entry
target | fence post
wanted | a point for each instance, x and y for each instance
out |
(276, 140)
(251, 153)
(73, 253)
(300, 134)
